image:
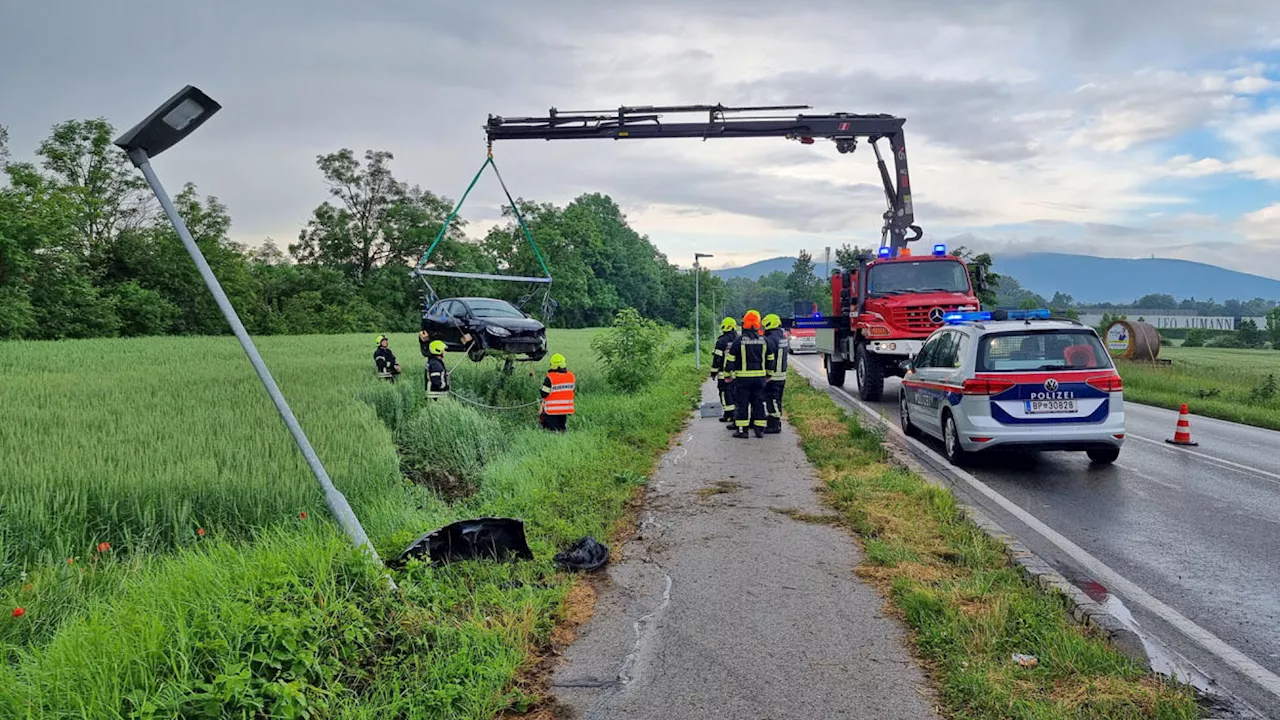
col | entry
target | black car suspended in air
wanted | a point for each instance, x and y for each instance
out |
(496, 327)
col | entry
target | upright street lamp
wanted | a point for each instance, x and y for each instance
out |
(177, 118)
(697, 310)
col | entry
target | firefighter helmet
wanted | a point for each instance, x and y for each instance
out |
(728, 324)
(772, 321)
(558, 362)
(436, 347)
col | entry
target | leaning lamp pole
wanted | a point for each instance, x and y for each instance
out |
(697, 310)
(177, 118)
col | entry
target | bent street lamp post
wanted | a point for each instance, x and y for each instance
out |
(697, 310)
(168, 125)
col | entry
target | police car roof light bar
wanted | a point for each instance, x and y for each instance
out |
(964, 317)
(1041, 314)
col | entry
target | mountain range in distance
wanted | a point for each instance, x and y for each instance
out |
(1090, 279)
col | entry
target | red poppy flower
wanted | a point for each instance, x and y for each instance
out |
(71, 560)
(103, 547)
(304, 515)
(200, 532)
(19, 612)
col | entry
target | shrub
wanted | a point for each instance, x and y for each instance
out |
(632, 350)
(1195, 338)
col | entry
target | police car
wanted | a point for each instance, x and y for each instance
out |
(1024, 380)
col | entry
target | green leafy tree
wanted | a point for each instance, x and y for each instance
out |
(802, 284)
(990, 297)
(108, 194)
(629, 350)
(377, 219)
(1248, 335)
(1273, 327)
(847, 256)
(1196, 337)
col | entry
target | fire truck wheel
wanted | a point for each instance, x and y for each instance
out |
(870, 376)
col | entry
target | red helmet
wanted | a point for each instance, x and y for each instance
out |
(751, 321)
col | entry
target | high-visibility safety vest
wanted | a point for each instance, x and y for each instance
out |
(560, 400)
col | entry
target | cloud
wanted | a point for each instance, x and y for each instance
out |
(1057, 115)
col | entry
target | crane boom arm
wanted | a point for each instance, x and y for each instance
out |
(635, 123)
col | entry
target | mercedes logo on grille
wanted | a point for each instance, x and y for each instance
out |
(935, 316)
(1050, 384)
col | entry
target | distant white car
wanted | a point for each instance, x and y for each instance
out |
(1018, 380)
(803, 340)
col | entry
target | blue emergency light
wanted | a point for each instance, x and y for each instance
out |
(962, 317)
(817, 315)
(1041, 314)
(884, 252)
(939, 249)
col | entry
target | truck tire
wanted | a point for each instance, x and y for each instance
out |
(870, 375)
(835, 371)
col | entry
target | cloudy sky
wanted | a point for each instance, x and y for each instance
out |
(1125, 128)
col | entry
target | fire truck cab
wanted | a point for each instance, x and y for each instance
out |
(885, 309)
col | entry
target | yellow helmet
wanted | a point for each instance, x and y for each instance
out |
(379, 339)
(436, 347)
(557, 362)
(728, 324)
(771, 321)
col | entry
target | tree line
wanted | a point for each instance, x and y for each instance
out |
(85, 251)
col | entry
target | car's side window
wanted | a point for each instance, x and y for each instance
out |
(947, 355)
(927, 352)
(962, 347)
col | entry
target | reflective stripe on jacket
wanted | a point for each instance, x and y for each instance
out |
(749, 356)
(559, 388)
(778, 368)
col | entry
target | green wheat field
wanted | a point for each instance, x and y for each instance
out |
(165, 551)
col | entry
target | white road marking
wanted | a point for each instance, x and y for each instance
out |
(1263, 474)
(1145, 476)
(1101, 572)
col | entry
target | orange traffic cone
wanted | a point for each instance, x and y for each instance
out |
(1182, 435)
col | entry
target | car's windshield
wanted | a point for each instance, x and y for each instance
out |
(925, 275)
(493, 308)
(1042, 350)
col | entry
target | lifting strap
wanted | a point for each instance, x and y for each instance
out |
(524, 227)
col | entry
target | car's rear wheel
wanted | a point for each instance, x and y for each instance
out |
(951, 439)
(1104, 457)
(904, 416)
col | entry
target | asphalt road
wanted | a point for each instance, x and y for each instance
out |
(1196, 529)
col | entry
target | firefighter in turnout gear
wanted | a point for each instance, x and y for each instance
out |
(748, 361)
(728, 333)
(384, 360)
(777, 381)
(557, 395)
(437, 376)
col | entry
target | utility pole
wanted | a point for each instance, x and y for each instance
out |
(697, 310)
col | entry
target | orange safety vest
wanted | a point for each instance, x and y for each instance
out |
(560, 400)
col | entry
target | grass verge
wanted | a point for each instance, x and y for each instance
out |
(172, 556)
(969, 609)
(1223, 383)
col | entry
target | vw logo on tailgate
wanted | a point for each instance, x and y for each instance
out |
(935, 316)
(1051, 384)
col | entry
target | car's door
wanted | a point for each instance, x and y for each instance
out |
(457, 321)
(436, 320)
(938, 380)
(920, 396)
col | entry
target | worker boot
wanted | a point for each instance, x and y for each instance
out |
(741, 433)
(759, 431)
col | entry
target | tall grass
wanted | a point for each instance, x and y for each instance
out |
(1223, 383)
(143, 443)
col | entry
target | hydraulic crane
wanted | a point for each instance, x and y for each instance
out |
(634, 123)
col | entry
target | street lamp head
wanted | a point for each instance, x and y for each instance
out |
(177, 118)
